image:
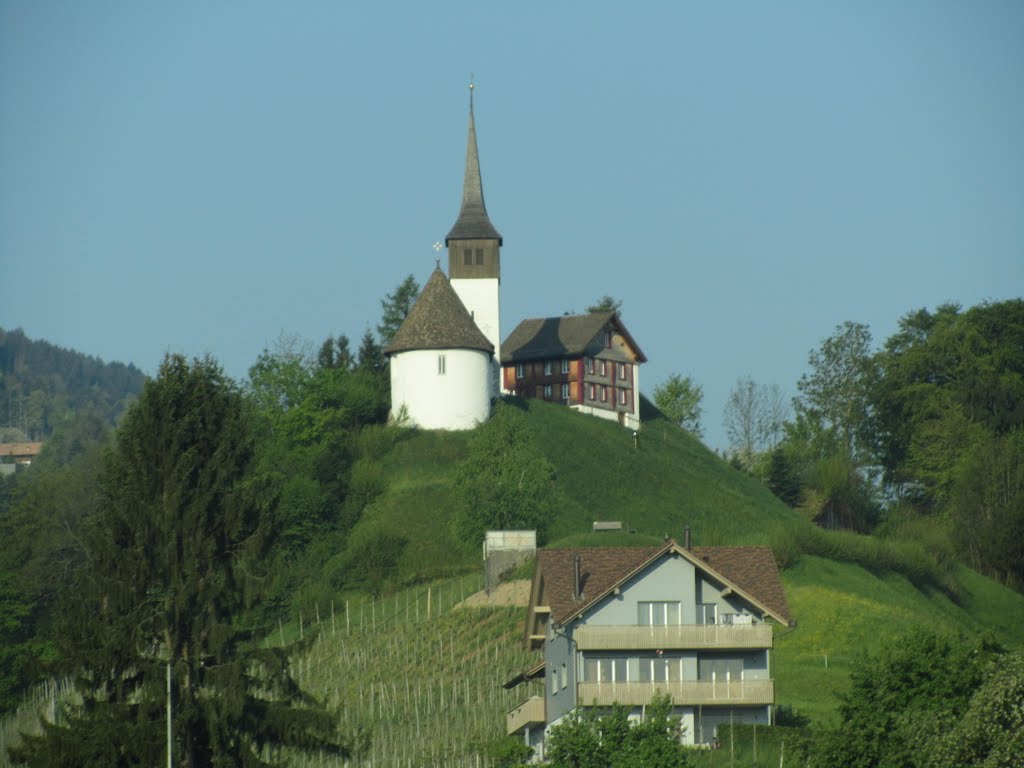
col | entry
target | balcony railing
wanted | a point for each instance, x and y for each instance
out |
(685, 692)
(530, 712)
(695, 636)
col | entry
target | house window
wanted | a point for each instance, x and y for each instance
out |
(547, 391)
(622, 371)
(660, 670)
(707, 613)
(604, 394)
(623, 396)
(440, 365)
(593, 392)
(565, 677)
(718, 670)
(467, 256)
(520, 370)
(479, 256)
(565, 391)
(608, 339)
(658, 613)
(604, 669)
(547, 367)
(565, 366)
(590, 366)
(604, 368)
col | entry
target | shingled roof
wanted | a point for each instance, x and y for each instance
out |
(750, 571)
(564, 336)
(473, 222)
(438, 320)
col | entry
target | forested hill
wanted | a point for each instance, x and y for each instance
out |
(42, 384)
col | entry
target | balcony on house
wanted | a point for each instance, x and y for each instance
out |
(531, 712)
(682, 693)
(679, 636)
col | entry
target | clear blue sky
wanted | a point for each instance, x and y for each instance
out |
(200, 177)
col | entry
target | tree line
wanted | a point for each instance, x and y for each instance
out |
(43, 385)
(922, 437)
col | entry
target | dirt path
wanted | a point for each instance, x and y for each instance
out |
(514, 593)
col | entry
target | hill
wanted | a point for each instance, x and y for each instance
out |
(421, 677)
(41, 384)
(850, 593)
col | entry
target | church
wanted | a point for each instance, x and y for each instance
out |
(448, 362)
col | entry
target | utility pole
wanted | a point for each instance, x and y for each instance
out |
(170, 763)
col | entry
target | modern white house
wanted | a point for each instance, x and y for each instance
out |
(618, 625)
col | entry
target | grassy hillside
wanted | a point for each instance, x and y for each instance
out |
(428, 689)
(849, 593)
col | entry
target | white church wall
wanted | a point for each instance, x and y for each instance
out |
(441, 388)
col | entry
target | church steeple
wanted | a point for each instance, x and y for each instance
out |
(473, 222)
(474, 252)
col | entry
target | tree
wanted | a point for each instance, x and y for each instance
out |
(335, 353)
(679, 399)
(371, 355)
(901, 699)
(588, 740)
(753, 419)
(505, 482)
(606, 304)
(836, 392)
(396, 307)
(172, 559)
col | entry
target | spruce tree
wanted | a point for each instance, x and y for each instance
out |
(172, 555)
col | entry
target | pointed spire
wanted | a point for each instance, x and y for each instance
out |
(473, 222)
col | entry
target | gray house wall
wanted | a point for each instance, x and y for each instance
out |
(558, 651)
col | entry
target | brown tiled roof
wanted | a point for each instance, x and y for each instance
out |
(564, 336)
(750, 570)
(20, 449)
(601, 568)
(438, 320)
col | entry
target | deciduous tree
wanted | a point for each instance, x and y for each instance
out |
(679, 399)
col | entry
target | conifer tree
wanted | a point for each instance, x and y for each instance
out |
(171, 559)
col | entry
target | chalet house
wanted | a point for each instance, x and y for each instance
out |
(588, 362)
(19, 453)
(618, 625)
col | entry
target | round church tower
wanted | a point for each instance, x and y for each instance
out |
(441, 362)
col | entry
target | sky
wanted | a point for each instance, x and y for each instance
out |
(211, 177)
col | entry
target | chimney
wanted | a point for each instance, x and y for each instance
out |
(576, 591)
(686, 537)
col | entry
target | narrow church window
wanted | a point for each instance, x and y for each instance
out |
(467, 256)
(480, 256)
(590, 366)
(547, 367)
(547, 391)
(520, 371)
(440, 365)
(565, 391)
(565, 366)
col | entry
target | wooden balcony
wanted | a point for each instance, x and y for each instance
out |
(530, 712)
(676, 636)
(683, 693)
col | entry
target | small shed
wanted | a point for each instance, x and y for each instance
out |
(505, 551)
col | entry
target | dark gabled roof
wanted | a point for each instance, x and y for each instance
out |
(750, 571)
(473, 222)
(438, 320)
(564, 336)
